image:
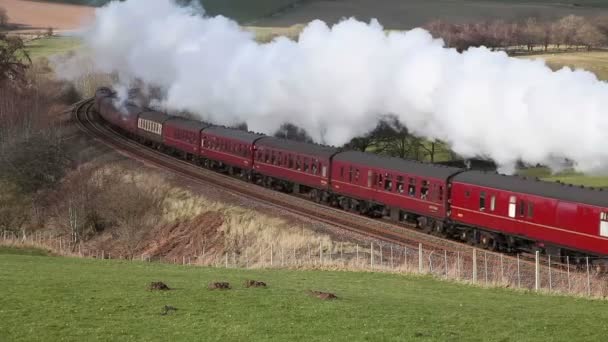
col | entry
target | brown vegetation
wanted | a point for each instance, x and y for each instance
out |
(254, 283)
(3, 17)
(219, 286)
(323, 295)
(158, 286)
(570, 32)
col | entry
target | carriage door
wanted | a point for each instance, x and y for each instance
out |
(372, 178)
(512, 206)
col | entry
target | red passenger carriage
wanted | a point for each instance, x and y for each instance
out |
(546, 214)
(295, 166)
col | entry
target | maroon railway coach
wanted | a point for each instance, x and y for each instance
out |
(229, 149)
(150, 127)
(408, 190)
(124, 117)
(183, 136)
(522, 213)
(295, 166)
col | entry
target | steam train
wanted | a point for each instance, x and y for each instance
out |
(487, 209)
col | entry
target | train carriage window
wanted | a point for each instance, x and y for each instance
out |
(441, 192)
(467, 194)
(512, 205)
(290, 158)
(350, 174)
(298, 164)
(400, 184)
(380, 180)
(482, 201)
(273, 158)
(305, 164)
(530, 209)
(492, 203)
(342, 172)
(522, 208)
(280, 159)
(315, 169)
(323, 170)
(411, 189)
(370, 178)
(356, 175)
(388, 183)
(424, 190)
(604, 224)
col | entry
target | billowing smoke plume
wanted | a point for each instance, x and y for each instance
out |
(336, 82)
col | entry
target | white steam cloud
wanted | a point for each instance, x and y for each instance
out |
(336, 82)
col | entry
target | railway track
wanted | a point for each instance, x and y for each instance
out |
(386, 232)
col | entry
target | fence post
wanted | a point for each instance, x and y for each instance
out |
(271, 255)
(320, 254)
(226, 259)
(502, 269)
(537, 271)
(282, 258)
(474, 265)
(260, 256)
(381, 248)
(246, 259)
(457, 265)
(445, 262)
(485, 262)
(568, 265)
(309, 254)
(550, 278)
(518, 274)
(588, 278)
(392, 257)
(183, 259)
(357, 263)
(371, 255)
(420, 265)
(405, 257)
(103, 256)
(342, 253)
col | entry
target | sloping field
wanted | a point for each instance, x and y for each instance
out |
(242, 10)
(595, 61)
(53, 298)
(33, 15)
(399, 14)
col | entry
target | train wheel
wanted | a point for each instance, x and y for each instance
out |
(487, 241)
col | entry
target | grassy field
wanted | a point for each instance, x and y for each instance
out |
(594, 61)
(54, 298)
(241, 10)
(568, 177)
(399, 14)
(53, 45)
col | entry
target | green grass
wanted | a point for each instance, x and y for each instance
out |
(55, 298)
(240, 10)
(569, 177)
(594, 61)
(53, 45)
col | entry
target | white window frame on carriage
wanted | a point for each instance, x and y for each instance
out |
(604, 224)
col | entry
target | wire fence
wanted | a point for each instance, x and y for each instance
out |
(544, 273)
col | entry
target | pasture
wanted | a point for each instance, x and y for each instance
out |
(594, 61)
(398, 14)
(55, 298)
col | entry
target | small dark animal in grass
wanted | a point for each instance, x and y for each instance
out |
(158, 286)
(167, 309)
(323, 295)
(219, 286)
(253, 283)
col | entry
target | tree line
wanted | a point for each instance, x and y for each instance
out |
(570, 32)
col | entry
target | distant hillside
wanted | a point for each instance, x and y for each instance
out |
(241, 10)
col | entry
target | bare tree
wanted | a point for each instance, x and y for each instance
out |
(568, 28)
(3, 17)
(589, 35)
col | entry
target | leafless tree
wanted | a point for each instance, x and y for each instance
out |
(568, 27)
(590, 36)
(3, 17)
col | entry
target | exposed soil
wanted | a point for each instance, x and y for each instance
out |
(323, 295)
(34, 15)
(158, 286)
(219, 286)
(254, 283)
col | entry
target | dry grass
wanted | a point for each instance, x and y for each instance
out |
(594, 61)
